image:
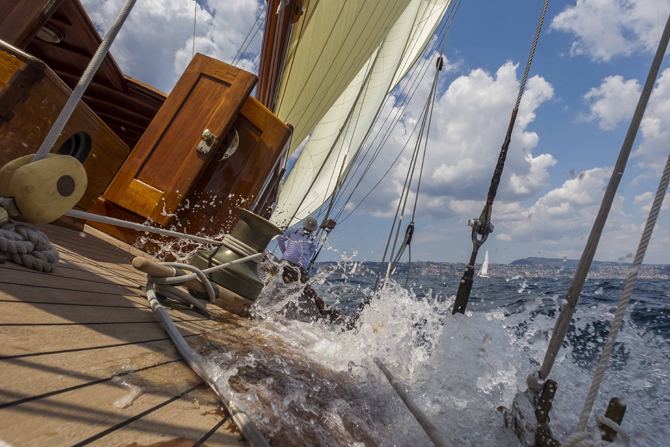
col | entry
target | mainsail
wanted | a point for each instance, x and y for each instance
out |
(328, 47)
(340, 134)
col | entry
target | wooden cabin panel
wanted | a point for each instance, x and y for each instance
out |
(209, 95)
(184, 133)
(9, 66)
(30, 102)
(237, 181)
(21, 20)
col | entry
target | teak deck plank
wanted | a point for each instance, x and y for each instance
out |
(78, 369)
(70, 338)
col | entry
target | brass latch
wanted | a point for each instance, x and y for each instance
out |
(207, 140)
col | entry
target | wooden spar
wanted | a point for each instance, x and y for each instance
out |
(275, 44)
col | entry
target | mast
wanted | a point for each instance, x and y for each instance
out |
(279, 21)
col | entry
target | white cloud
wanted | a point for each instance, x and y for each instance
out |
(559, 221)
(655, 128)
(607, 28)
(155, 44)
(613, 101)
(469, 123)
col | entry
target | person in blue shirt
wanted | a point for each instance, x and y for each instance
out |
(297, 246)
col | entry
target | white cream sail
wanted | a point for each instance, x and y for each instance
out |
(329, 46)
(339, 136)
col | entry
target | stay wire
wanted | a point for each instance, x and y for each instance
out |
(241, 51)
(481, 227)
(388, 242)
(572, 296)
(404, 195)
(497, 173)
(425, 126)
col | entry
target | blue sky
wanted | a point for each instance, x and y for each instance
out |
(592, 59)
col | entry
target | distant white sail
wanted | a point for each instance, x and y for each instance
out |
(338, 137)
(484, 271)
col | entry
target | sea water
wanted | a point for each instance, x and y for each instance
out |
(315, 384)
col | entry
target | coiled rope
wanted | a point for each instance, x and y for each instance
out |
(28, 247)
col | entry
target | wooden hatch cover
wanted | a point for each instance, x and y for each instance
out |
(165, 164)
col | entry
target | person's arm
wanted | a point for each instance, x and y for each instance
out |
(281, 239)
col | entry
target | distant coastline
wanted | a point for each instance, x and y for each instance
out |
(532, 267)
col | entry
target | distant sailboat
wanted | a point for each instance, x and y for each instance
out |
(484, 271)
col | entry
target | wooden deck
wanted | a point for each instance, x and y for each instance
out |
(78, 342)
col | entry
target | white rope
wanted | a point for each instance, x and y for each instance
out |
(594, 437)
(28, 247)
(244, 423)
(139, 227)
(85, 79)
(625, 297)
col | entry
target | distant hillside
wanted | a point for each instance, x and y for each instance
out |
(549, 262)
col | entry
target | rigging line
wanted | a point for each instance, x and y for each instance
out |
(409, 264)
(388, 241)
(410, 171)
(425, 144)
(625, 297)
(386, 137)
(572, 296)
(195, 19)
(406, 100)
(241, 52)
(395, 120)
(364, 87)
(481, 228)
(417, 150)
(378, 148)
(423, 19)
(328, 95)
(495, 181)
(416, 125)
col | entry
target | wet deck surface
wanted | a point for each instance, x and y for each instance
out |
(76, 346)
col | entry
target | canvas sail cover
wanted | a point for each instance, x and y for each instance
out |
(339, 135)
